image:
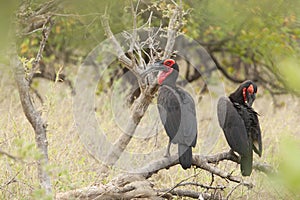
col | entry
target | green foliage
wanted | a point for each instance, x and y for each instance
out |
(290, 163)
(26, 150)
(260, 33)
(290, 70)
(6, 25)
(39, 194)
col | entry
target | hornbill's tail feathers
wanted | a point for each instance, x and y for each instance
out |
(246, 165)
(185, 156)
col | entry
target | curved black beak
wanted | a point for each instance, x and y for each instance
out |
(250, 99)
(158, 66)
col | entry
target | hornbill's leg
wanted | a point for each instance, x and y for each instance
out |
(167, 154)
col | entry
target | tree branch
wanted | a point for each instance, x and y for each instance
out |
(224, 72)
(192, 194)
(35, 119)
(202, 162)
(33, 116)
(141, 104)
(120, 53)
(126, 186)
(173, 30)
(45, 31)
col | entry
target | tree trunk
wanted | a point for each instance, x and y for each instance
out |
(36, 121)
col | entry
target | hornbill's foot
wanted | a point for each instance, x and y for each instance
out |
(237, 157)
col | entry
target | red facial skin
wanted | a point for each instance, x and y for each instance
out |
(163, 75)
(250, 89)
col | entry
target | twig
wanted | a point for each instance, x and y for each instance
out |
(191, 194)
(233, 189)
(172, 31)
(202, 163)
(203, 186)
(45, 32)
(9, 155)
(178, 184)
(212, 179)
(12, 180)
(121, 55)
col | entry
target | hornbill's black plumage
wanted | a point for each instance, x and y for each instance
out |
(240, 124)
(177, 111)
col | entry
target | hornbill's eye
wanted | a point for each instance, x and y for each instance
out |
(169, 62)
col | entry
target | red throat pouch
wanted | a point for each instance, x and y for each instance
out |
(163, 75)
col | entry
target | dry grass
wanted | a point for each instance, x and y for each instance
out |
(71, 166)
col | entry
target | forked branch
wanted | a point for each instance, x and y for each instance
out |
(203, 162)
(140, 105)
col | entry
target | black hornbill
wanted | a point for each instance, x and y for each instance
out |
(177, 111)
(240, 124)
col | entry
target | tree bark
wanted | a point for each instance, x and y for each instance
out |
(36, 121)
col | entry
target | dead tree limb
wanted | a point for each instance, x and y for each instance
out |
(140, 105)
(192, 194)
(129, 187)
(136, 185)
(121, 187)
(175, 24)
(45, 32)
(36, 121)
(23, 80)
(120, 53)
(202, 162)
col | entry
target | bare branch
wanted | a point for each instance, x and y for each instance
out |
(139, 108)
(224, 72)
(192, 194)
(129, 187)
(126, 186)
(36, 20)
(173, 29)
(46, 31)
(121, 187)
(35, 119)
(33, 116)
(233, 189)
(219, 187)
(178, 184)
(134, 33)
(202, 162)
(121, 55)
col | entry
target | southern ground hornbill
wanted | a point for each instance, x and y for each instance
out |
(240, 124)
(177, 111)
